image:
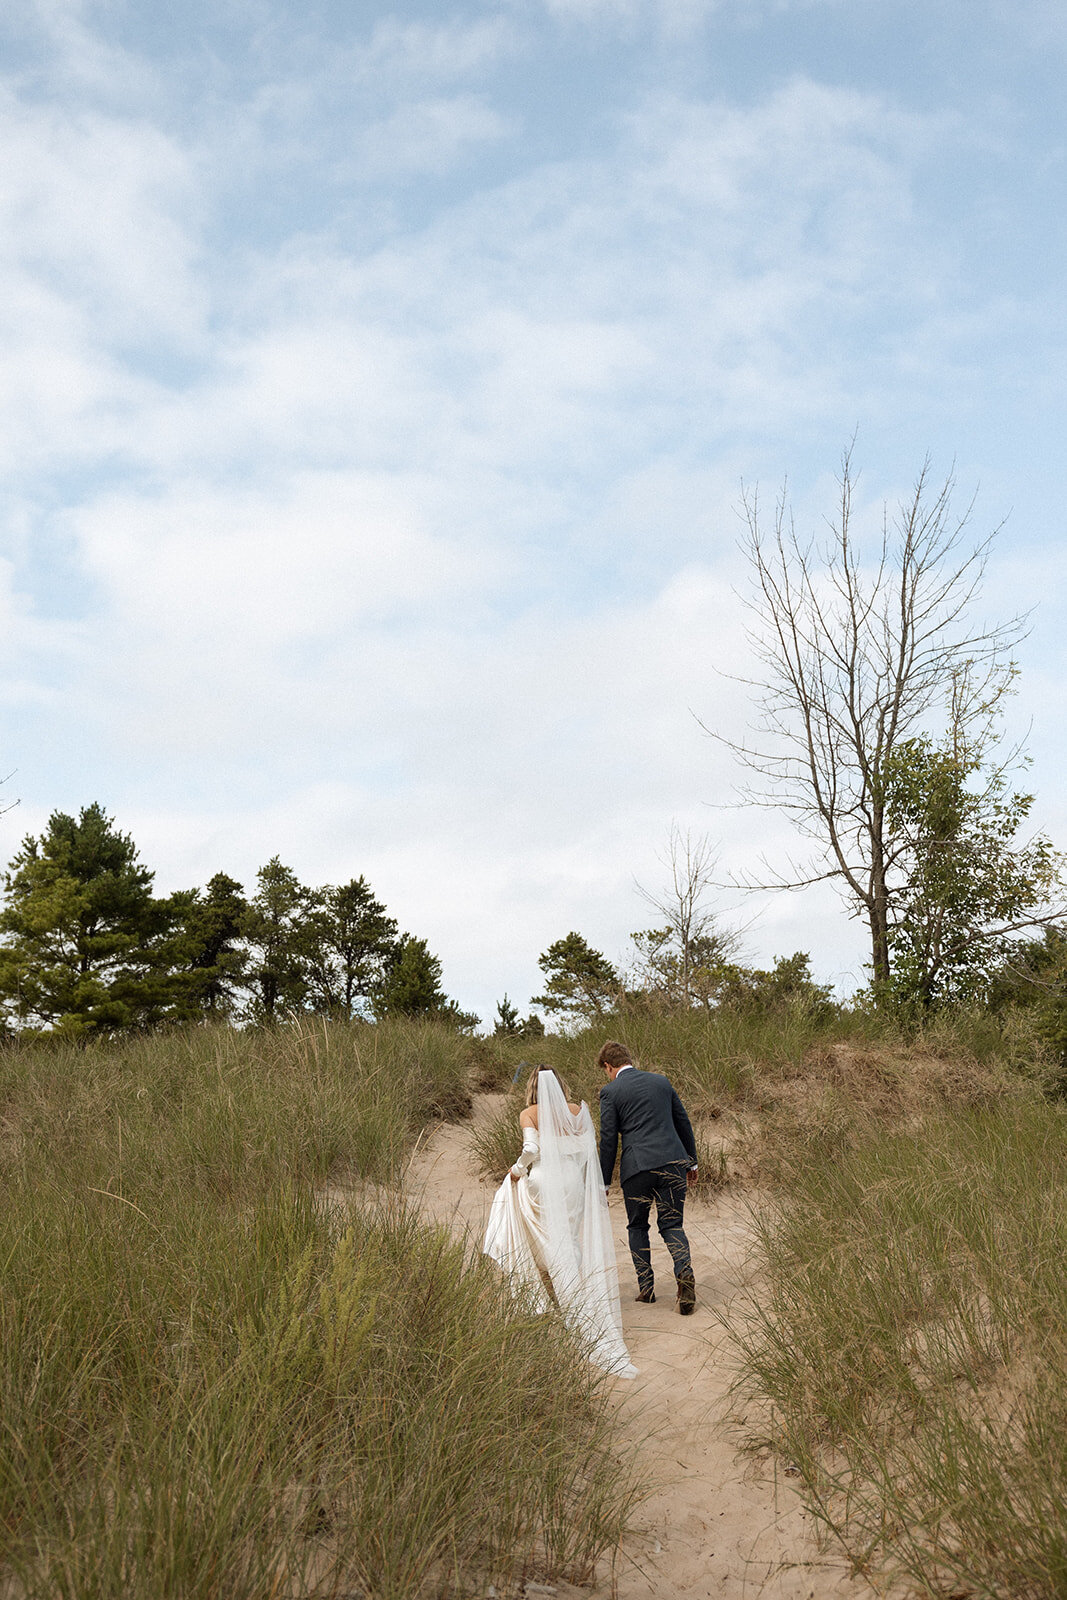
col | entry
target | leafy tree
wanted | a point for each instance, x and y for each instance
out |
(454, 1015)
(1032, 977)
(789, 983)
(278, 943)
(668, 974)
(352, 943)
(86, 945)
(411, 987)
(581, 984)
(969, 886)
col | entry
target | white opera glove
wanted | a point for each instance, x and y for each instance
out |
(530, 1151)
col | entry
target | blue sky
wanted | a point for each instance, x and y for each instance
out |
(378, 383)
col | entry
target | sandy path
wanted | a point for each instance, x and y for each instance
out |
(720, 1525)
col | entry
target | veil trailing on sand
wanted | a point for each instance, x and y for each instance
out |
(580, 1253)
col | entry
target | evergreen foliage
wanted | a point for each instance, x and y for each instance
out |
(277, 935)
(352, 944)
(509, 1025)
(412, 985)
(89, 949)
(508, 1021)
(213, 926)
(581, 982)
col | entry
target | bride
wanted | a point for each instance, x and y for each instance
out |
(548, 1224)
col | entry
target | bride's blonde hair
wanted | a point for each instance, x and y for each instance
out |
(531, 1084)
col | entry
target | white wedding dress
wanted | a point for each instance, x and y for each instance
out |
(554, 1221)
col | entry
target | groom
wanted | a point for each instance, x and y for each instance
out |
(659, 1155)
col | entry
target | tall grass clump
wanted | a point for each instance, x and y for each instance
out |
(732, 1055)
(910, 1335)
(712, 1057)
(215, 1383)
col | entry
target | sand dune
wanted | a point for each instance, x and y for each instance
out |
(720, 1524)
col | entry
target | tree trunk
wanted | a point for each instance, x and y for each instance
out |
(878, 906)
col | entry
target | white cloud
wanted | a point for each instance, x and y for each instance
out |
(419, 560)
(425, 136)
(435, 52)
(98, 265)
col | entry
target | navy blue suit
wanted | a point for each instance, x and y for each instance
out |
(658, 1148)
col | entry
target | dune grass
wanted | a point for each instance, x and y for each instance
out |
(910, 1334)
(214, 1382)
(906, 1328)
(765, 1088)
(731, 1056)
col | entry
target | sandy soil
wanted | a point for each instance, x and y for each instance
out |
(719, 1524)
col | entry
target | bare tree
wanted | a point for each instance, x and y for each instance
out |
(679, 957)
(859, 654)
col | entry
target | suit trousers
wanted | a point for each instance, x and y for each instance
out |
(667, 1187)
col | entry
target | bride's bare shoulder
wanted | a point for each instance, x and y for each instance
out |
(575, 1109)
(528, 1117)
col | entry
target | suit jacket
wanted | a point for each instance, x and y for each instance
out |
(644, 1110)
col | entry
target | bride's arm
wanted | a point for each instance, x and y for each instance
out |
(528, 1124)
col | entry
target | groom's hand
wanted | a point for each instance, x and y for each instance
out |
(691, 1175)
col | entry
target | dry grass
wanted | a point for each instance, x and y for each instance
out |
(910, 1334)
(907, 1330)
(838, 1095)
(213, 1385)
(766, 1091)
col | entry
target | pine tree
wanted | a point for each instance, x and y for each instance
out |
(352, 943)
(412, 985)
(508, 1022)
(84, 933)
(278, 941)
(581, 982)
(207, 952)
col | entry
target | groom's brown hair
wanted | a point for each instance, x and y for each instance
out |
(614, 1054)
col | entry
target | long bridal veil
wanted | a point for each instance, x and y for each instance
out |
(574, 1216)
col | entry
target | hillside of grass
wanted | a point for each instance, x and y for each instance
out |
(767, 1085)
(218, 1381)
(234, 1363)
(903, 1338)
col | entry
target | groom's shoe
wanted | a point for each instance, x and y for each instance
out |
(647, 1297)
(687, 1294)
